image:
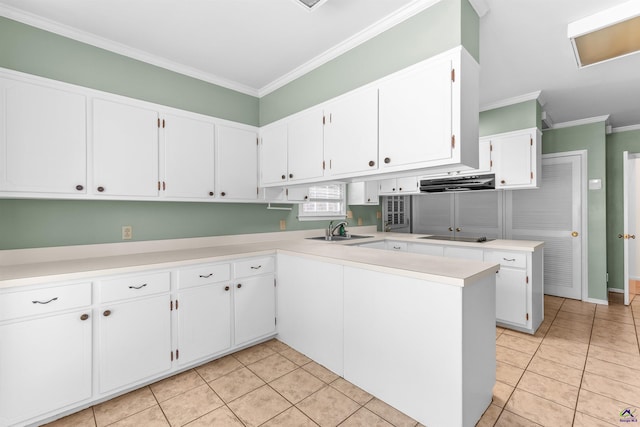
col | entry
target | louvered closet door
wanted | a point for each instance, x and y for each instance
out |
(479, 213)
(552, 214)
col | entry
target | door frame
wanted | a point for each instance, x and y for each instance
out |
(584, 220)
(626, 158)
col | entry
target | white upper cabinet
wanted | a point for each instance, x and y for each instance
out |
(187, 166)
(273, 155)
(394, 186)
(351, 134)
(516, 158)
(43, 139)
(125, 149)
(305, 146)
(237, 163)
(429, 115)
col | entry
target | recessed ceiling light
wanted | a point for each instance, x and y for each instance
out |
(310, 5)
(606, 35)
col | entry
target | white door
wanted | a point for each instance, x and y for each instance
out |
(351, 134)
(273, 155)
(415, 116)
(188, 157)
(237, 163)
(630, 192)
(553, 214)
(305, 146)
(125, 149)
(255, 308)
(44, 139)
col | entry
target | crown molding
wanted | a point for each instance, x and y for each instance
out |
(368, 33)
(511, 101)
(587, 121)
(480, 6)
(122, 49)
(625, 128)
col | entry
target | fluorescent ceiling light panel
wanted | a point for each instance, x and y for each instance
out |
(310, 5)
(606, 35)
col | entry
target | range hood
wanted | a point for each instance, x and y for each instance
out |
(458, 183)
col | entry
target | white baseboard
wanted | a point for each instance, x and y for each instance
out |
(596, 301)
(616, 290)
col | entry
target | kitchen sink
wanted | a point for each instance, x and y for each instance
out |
(339, 238)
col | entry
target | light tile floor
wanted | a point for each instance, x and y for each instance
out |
(580, 368)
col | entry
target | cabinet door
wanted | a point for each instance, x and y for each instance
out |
(188, 157)
(433, 214)
(45, 364)
(204, 321)
(237, 163)
(513, 156)
(408, 185)
(485, 165)
(415, 116)
(125, 149)
(134, 341)
(363, 193)
(43, 140)
(305, 146)
(393, 245)
(388, 186)
(511, 296)
(273, 155)
(351, 134)
(479, 213)
(255, 308)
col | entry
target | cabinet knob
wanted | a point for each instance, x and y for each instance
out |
(503, 181)
(284, 176)
(450, 228)
(400, 189)
(211, 193)
(226, 288)
(574, 234)
(393, 189)
(372, 163)
(79, 187)
(290, 175)
(84, 316)
(387, 160)
(223, 194)
(107, 313)
(620, 236)
(100, 189)
(458, 229)
(239, 285)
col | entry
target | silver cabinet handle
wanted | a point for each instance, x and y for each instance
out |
(45, 302)
(138, 287)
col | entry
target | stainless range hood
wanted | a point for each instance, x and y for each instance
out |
(458, 183)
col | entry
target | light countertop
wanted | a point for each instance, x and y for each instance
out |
(48, 265)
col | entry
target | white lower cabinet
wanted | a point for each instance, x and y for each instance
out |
(134, 341)
(310, 309)
(45, 364)
(203, 312)
(254, 299)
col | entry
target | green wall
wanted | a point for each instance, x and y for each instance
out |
(518, 116)
(34, 51)
(590, 137)
(443, 26)
(617, 143)
(32, 223)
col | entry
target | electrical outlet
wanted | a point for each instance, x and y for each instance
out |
(359, 221)
(349, 214)
(283, 224)
(378, 214)
(127, 232)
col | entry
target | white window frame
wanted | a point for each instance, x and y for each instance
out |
(309, 211)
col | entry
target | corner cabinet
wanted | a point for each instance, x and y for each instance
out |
(516, 158)
(237, 163)
(43, 139)
(429, 114)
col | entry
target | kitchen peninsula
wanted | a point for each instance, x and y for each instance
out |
(415, 330)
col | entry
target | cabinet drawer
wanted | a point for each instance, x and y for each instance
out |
(397, 246)
(134, 286)
(46, 300)
(203, 274)
(254, 267)
(507, 259)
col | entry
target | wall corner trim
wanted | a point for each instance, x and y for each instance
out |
(511, 101)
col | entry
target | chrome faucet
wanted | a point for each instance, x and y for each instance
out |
(332, 228)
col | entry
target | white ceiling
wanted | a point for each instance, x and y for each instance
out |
(256, 46)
